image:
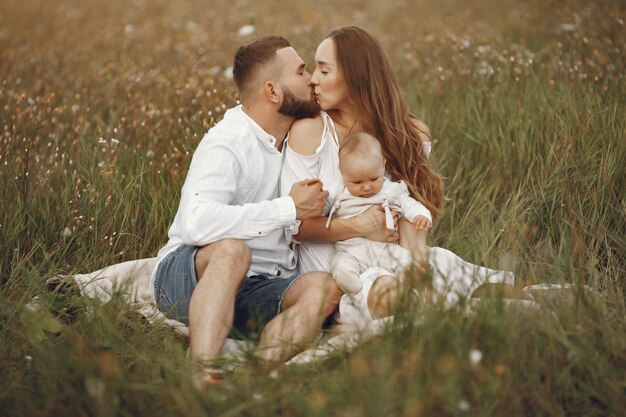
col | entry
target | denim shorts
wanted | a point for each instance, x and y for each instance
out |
(258, 300)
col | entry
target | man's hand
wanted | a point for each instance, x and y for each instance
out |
(371, 225)
(308, 196)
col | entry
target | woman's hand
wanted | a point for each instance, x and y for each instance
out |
(371, 225)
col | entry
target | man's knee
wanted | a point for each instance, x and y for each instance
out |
(314, 290)
(230, 253)
(324, 293)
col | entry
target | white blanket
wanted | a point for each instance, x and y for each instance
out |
(132, 280)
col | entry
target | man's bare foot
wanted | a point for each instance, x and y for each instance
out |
(206, 378)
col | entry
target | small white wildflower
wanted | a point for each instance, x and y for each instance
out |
(100, 164)
(150, 153)
(257, 396)
(67, 232)
(101, 141)
(192, 27)
(568, 27)
(228, 73)
(464, 405)
(129, 28)
(115, 141)
(246, 30)
(95, 387)
(475, 356)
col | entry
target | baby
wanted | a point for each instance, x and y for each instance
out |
(362, 167)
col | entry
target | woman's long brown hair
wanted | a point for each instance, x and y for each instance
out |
(382, 112)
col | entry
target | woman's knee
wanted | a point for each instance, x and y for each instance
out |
(383, 296)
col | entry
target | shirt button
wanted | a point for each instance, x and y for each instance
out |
(259, 232)
(278, 273)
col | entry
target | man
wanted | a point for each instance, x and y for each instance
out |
(227, 265)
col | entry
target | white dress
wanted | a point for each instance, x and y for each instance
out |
(453, 278)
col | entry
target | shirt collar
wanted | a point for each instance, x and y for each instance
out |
(268, 140)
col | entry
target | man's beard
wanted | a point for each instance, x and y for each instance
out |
(298, 108)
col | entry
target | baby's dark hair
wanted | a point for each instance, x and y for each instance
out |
(360, 145)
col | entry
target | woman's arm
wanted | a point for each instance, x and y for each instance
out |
(422, 130)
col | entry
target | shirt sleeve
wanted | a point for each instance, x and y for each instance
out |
(411, 208)
(207, 209)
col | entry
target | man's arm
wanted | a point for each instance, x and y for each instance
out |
(206, 210)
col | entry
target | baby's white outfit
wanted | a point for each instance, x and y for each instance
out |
(354, 256)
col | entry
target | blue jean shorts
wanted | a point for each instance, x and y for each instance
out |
(258, 300)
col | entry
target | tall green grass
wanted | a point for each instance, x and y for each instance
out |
(102, 105)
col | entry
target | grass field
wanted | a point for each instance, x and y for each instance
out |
(103, 103)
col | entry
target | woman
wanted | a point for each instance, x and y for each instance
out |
(357, 90)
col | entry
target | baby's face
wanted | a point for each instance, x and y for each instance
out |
(363, 177)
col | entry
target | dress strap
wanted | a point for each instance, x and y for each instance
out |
(329, 127)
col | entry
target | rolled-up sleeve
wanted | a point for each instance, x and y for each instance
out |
(207, 212)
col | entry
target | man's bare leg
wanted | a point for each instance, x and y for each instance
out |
(220, 269)
(307, 303)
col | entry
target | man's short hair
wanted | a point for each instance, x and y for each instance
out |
(251, 57)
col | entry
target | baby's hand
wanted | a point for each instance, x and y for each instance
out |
(421, 222)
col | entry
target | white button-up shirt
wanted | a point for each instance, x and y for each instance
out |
(232, 191)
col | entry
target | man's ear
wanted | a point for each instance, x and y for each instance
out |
(270, 92)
